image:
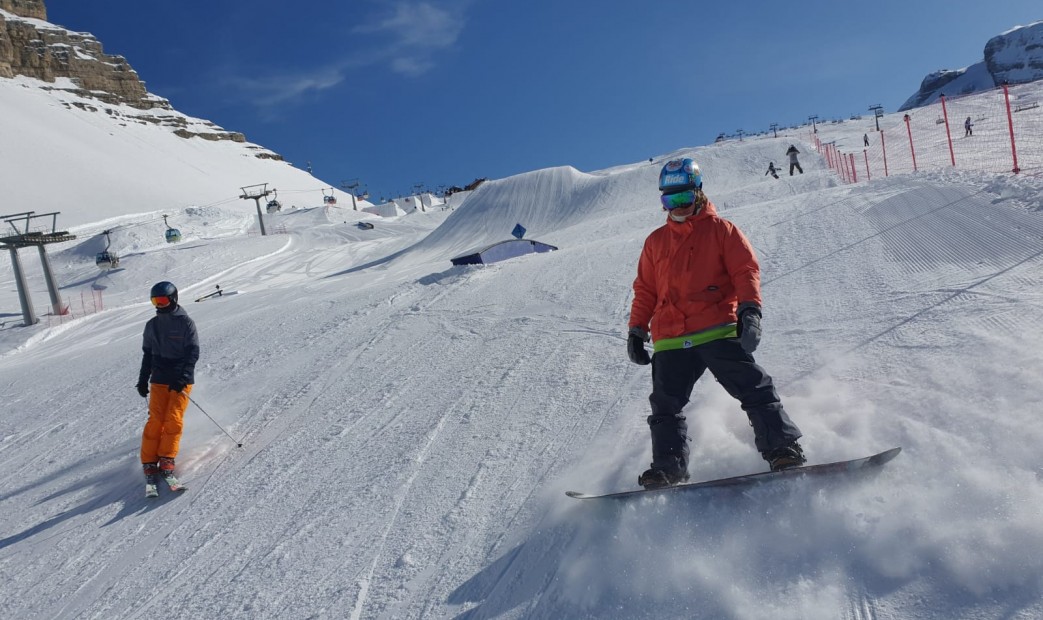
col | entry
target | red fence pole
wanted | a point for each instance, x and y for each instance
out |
(912, 150)
(1010, 124)
(883, 145)
(945, 115)
(854, 173)
(866, 155)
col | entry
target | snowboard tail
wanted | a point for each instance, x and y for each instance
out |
(853, 465)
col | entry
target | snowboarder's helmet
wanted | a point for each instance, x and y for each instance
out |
(680, 175)
(163, 294)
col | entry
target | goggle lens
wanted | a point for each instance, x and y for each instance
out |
(161, 301)
(679, 200)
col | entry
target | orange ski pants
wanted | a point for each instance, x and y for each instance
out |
(162, 434)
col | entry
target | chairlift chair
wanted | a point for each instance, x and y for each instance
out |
(329, 199)
(107, 259)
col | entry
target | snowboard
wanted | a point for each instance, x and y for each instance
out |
(851, 466)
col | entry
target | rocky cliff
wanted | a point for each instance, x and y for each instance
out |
(1014, 57)
(75, 62)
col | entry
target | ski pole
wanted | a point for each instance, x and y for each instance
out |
(238, 444)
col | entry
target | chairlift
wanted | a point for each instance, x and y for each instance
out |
(106, 259)
(173, 235)
(274, 204)
(329, 199)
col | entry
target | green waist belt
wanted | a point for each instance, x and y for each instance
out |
(696, 339)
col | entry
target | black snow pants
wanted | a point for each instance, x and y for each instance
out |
(674, 374)
(795, 165)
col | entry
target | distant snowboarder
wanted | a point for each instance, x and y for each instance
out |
(865, 139)
(171, 350)
(772, 170)
(793, 163)
(967, 127)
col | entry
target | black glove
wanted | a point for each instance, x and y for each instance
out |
(142, 389)
(177, 386)
(636, 340)
(748, 329)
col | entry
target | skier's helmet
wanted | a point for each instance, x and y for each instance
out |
(163, 295)
(680, 175)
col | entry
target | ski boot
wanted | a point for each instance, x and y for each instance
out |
(166, 470)
(151, 479)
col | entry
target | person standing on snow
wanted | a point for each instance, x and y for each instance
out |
(967, 131)
(772, 170)
(698, 286)
(791, 152)
(171, 350)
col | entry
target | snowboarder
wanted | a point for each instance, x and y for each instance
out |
(171, 350)
(705, 313)
(792, 152)
(967, 125)
(772, 170)
(865, 139)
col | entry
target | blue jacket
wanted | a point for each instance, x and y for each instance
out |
(171, 349)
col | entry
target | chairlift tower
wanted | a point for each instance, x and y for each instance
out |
(350, 188)
(25, 237)
(775, 129)
(878, 111)
(256, 193)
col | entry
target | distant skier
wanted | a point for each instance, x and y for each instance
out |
(171, 350)
(967, 127)
(792, 152)
(698, 286)
(772, 170)
(865, 139)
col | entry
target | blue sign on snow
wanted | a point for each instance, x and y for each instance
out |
(519, 231)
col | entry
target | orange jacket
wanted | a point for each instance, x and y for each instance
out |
(692, 275)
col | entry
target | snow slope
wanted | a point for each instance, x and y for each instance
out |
(409, 427)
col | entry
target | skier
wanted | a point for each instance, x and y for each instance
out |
(171, 350)
(865, 139)
(967, 131)
(698, 286)
(772, 170)
(793, 163)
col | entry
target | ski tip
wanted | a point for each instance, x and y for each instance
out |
(578, 495)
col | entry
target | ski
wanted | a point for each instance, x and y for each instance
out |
(852, 466)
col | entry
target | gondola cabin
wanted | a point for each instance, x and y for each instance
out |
(330, 200)
(274, 206)
(173, 235)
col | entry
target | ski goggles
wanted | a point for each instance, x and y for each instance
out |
(679, 200)
(160, 301)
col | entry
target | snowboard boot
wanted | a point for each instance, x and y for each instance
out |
(658, 478)
(785, 457)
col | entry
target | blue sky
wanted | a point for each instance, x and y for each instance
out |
(396, 94)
